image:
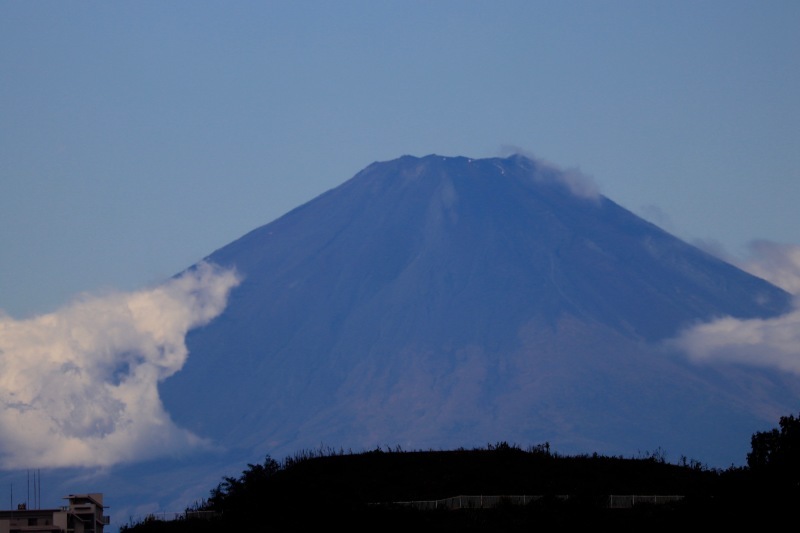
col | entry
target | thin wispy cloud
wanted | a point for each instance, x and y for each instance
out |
(777, 263)
(774, 342)
(579, 183)
(657, 216)
(79, 387)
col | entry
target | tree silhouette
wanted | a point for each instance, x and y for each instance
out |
(775, 454)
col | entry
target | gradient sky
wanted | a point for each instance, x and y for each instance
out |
(138, 137)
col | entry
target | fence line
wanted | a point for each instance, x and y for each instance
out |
(169, 516)
(614, 501)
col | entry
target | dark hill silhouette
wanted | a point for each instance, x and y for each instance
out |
(438, 302)
(499, 488)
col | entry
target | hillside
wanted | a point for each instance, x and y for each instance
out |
(362, 492)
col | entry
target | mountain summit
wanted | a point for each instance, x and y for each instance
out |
(440, 302)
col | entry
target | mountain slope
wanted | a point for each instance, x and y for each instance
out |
(443, 302)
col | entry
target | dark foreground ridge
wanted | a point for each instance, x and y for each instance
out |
(395, 490)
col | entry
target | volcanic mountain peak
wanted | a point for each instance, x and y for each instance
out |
(508, 236)
(459, 168)
(448, 301)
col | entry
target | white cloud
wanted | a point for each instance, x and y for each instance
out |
(574, 179)
(777, 263)
(79, 387)
(579, 183)
(771, 342)
(759, 342)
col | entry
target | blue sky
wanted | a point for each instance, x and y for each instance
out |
(138, 137)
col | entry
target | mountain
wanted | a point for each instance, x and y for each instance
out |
(440, 302)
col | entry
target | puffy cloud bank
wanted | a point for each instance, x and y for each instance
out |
(79, 387)
(771, 342)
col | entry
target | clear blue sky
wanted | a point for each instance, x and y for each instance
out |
(138, 137)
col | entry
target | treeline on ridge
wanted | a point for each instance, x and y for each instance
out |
(365, 491)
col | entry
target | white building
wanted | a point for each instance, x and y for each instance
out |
(83, 514)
